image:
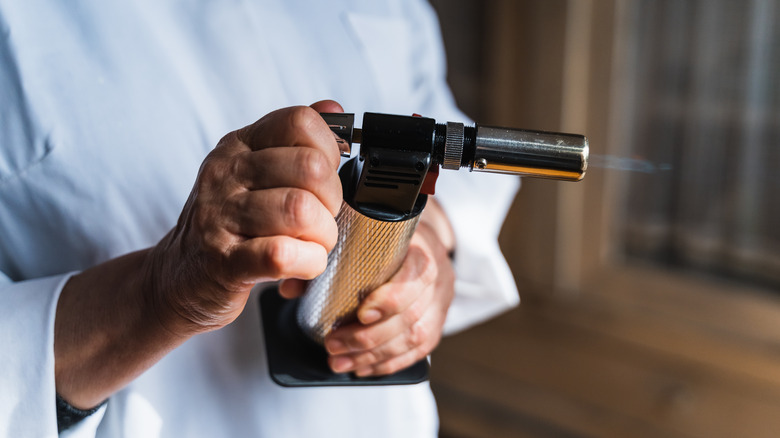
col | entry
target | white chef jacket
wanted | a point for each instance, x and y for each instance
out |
(107, 110)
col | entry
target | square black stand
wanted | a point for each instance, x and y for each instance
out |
(295, 360)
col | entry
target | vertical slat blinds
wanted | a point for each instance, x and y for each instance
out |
(706, 97)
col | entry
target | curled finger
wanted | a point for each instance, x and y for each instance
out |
(415, 337)
(273, 258)
(297, 167)
(293, 126)
(285, 211)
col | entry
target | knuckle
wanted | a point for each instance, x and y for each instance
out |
(315, 166)
(238, 204)
(243, 136)
(204, 221)
(364, 340)
(212, 247)
(278, 257)
(228, 144)
(298, 208)
(414, 313)
(418, 334)
(235, 163)
(391, 302)
(367, 358)
(213, 170)
(303, 117)
(429, 272)
(228, 139)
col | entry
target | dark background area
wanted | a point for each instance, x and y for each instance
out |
(650, 290)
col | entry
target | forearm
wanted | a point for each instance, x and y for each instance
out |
(106, 330)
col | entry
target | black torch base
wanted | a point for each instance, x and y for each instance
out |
(294, 360)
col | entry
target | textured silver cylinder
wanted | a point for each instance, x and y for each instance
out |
(453, 146)
(368, 252)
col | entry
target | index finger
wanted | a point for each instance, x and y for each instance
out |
(292, 126)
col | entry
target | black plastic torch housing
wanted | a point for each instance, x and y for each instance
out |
(396, 154)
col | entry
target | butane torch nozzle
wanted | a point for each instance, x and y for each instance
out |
(453, 145)
(538, 154)
(532, 153)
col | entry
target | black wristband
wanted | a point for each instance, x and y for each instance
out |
(67, 415)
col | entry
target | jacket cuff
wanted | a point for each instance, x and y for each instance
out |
(27, 368)
(476, 205)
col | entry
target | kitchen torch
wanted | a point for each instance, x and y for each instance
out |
(385, 189)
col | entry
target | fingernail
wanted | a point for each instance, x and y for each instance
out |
(341, 364)
(369, 316)
(334, 346)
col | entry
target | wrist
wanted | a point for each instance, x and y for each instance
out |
(104, 333)
(160, 295)
(181, 295)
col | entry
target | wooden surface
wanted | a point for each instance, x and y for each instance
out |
(647, 354)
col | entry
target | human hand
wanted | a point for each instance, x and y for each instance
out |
(262, 208)
(401, 322)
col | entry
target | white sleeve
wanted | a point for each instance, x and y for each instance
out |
(27, 398)
(27, 406)
(476, 203)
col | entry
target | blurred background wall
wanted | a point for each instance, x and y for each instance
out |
(651, 290)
